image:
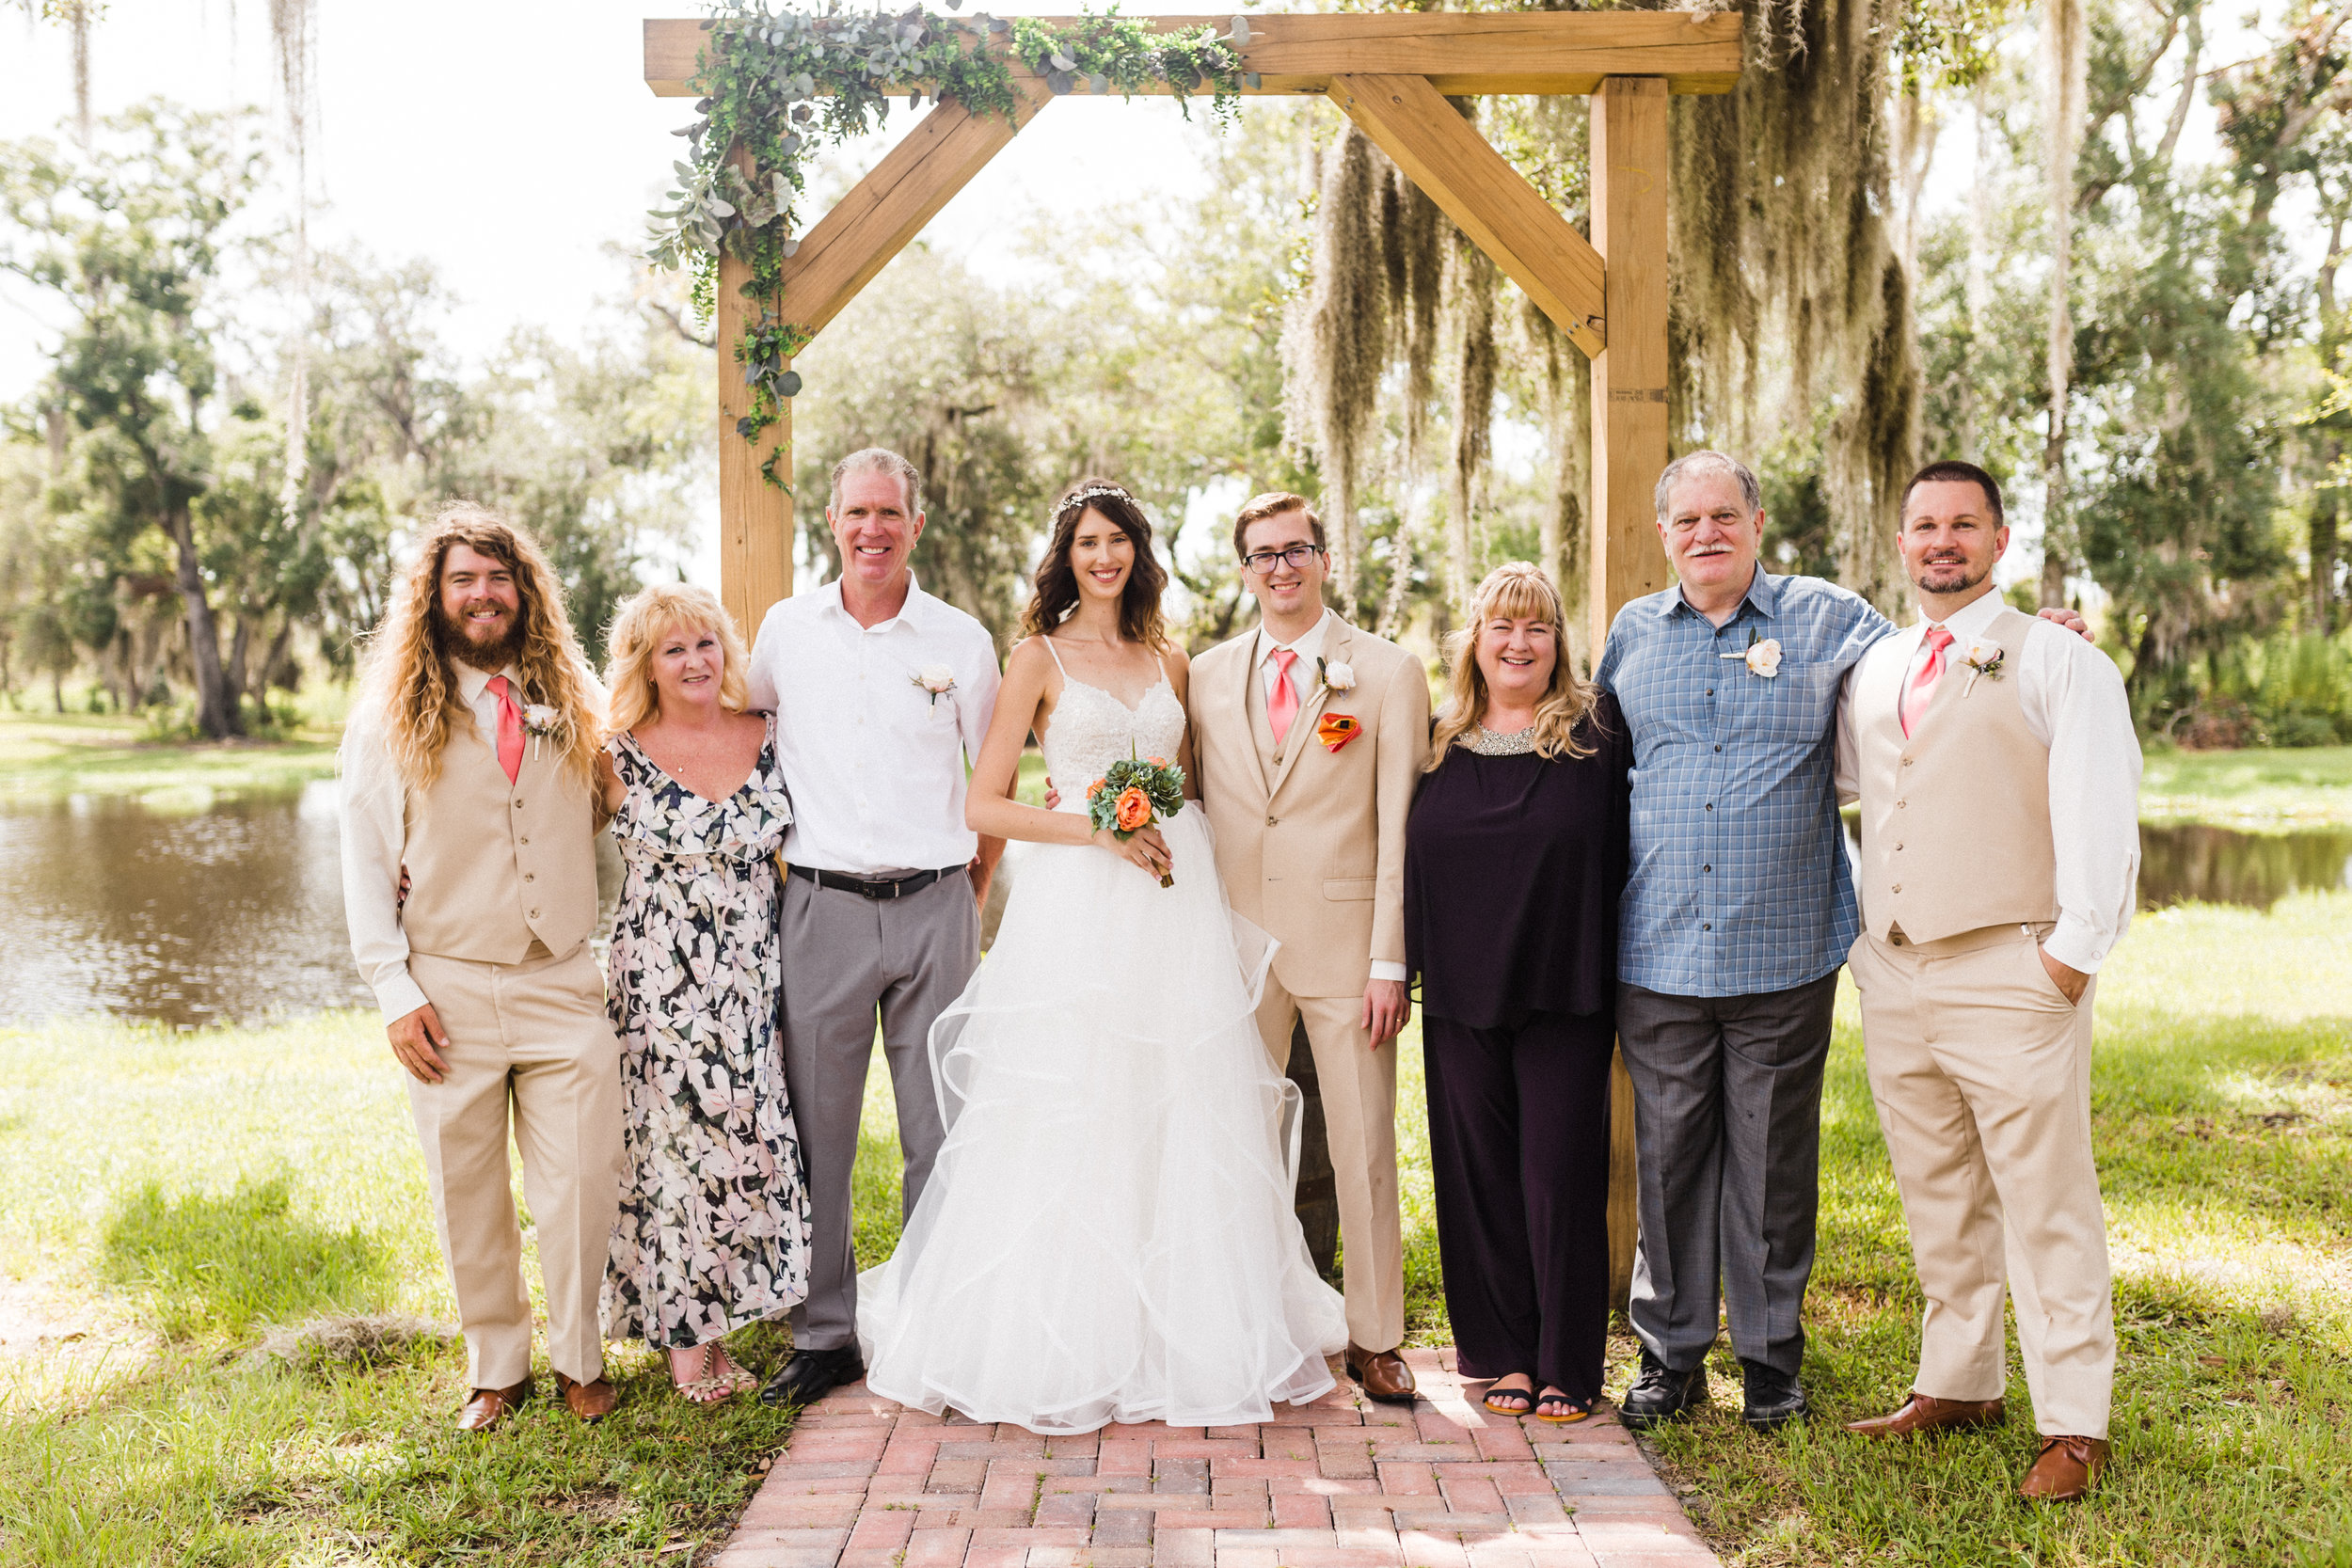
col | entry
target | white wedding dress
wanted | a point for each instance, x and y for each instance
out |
(1109, 1233)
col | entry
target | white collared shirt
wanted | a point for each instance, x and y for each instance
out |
(2074, 702)
(375, 832)
(876, 766)
(1305, 679)
(1309, 648)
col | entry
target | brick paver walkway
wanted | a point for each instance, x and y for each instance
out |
(1340, 1483)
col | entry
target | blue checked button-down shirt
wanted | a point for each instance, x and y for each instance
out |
(1739, 881)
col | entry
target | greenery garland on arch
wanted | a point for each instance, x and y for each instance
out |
(775, 84)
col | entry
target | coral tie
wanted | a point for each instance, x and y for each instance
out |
(510, 729)
(1281, 704)
(1922, 688)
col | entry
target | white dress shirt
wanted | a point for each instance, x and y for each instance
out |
(876, 766)
(374, 807)
(1304, 680)
(2074, 702)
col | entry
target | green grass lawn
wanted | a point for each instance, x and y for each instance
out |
(2305, 785)
(2222, 1103)
(45, 756)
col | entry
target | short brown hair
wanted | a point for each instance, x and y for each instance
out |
(1257, 509)
(1953, 471)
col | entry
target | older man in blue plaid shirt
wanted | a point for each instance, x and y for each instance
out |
(1739, 910)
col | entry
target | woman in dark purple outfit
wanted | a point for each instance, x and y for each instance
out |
(1515, 856)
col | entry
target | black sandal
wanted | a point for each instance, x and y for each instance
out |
(1567, 1411)
(1525, 1396)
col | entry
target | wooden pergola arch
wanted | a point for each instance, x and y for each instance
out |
(1390, 73)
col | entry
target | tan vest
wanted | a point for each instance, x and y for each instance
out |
(493, 867)
(1956, 819)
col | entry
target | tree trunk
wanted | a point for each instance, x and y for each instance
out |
(2065, 59)
(237, 671)
(2324, 553)
(216, 703)
(56, 688)
(275, 665)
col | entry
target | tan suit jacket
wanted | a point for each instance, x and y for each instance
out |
(1312, 847)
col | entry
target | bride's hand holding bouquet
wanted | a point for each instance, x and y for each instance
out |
(1127, 802)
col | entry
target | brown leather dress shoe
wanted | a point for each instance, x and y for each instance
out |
(1383, 1373)
(590, 1402)
(2067, 1468)
(1926, 1413)
(486, 1407)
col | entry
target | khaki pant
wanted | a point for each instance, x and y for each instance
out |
(530, 1037)
(1981, 1070)
(1360, 1116)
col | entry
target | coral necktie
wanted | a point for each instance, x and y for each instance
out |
(510, 729)
(1281, 704)
(1922, 688)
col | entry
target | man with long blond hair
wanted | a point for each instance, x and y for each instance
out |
(469, 768)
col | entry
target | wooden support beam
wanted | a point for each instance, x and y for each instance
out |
(841, 254)
(1487, 200)
(754, 516)
(1511, 52)
(1629, 184)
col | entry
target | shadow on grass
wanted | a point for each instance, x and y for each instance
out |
(223, 1264)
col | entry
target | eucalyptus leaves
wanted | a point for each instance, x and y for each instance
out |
(776, 83)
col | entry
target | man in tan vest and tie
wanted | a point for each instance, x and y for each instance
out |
(1999, 778)
(468, 762)
(1310, 736)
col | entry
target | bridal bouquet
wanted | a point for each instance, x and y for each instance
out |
(1132, 795)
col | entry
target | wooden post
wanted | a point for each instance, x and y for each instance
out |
(754, 516)
(1628, 184)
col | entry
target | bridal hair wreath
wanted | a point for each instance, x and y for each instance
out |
(774, 81)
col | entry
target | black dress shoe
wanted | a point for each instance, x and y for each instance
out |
(811, 1374)
(1774, 1399)
(1661, 1394)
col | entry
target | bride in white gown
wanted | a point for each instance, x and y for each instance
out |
(1107, 1234)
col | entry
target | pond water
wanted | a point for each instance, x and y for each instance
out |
(231, 914)
(235, 914)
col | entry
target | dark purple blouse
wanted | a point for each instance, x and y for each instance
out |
(1513, 868)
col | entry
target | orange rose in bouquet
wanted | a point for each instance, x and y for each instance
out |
(1132, 795)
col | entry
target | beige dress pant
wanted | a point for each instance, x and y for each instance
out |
(1360, 1116)
(1981, 1070)
(532, 1039)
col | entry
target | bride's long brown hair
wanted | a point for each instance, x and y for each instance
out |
(1054, 587)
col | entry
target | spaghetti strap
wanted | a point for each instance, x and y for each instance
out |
(1048, 640)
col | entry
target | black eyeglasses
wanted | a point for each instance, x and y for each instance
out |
(1263, 562)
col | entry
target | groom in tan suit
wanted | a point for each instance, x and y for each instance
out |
(1310, 736)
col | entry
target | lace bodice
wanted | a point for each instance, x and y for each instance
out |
(1090, 729)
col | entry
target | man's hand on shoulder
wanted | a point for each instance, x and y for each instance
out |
(2059, 615)
(1388, 1006)
(418, 1040)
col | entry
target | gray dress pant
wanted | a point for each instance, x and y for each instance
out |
(849, 959)
(1727, 1130)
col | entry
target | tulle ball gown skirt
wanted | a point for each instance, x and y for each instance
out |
(1108, 1233)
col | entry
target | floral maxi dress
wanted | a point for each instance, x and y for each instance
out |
(713, 1230)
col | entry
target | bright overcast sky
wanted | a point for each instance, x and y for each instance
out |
(509, 145)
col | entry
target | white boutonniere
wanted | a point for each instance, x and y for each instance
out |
(541, 723)
(1335, 675)
(934, 680)
(1762, 657)
(1982, 658)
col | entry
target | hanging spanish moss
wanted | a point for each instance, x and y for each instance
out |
(1335, 346)
(1472, 283)
(290, 25)
(1561, 383)
(1792, 309)
(2065, 56)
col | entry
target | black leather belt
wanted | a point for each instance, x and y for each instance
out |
(872, 887)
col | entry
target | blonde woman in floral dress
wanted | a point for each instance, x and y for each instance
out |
(713, 1231)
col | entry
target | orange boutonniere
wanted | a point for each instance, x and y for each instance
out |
(1336, 730)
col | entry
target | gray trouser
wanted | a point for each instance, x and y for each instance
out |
(1727, 1132)
(848, 959)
